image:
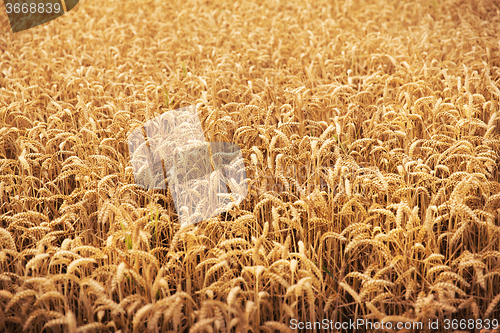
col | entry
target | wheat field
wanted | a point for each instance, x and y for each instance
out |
(370, 132)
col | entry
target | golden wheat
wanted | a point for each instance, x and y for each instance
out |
(371, 151)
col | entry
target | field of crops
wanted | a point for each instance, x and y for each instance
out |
(370, 132)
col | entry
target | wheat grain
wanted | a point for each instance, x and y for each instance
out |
(393, 154)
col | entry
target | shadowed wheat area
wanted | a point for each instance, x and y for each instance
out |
(370, 132)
